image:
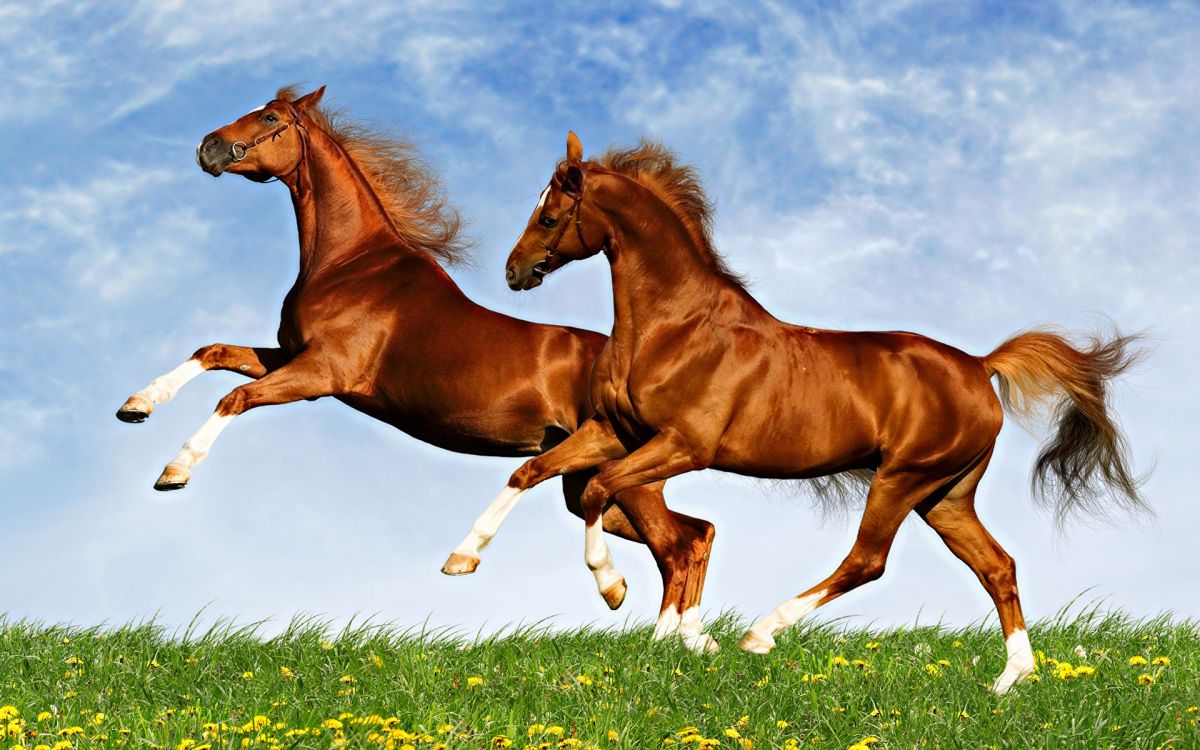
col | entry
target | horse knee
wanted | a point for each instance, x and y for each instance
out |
(1001, 578)
(207, 355)
(235, 402)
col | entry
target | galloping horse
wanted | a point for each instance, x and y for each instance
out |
(697, 374)
(374, 321)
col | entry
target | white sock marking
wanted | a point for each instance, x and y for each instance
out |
(163, 388)
(595, 554)
(691, 629)
(668, 623)
(486, 526)
(1019, 664)
(197, 447)
(787, 614)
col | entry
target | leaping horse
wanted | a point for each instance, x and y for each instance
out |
(697, 374)
(374, 321)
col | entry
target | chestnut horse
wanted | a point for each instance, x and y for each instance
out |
(697, 374)
(374, 321)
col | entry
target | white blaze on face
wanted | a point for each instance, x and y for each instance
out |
(1019, 664)
(163, 388)
(542, 199)
(259, 108)
(486, 526)
(197, 447)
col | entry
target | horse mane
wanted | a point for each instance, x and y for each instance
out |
(655, 167)
(409, 192)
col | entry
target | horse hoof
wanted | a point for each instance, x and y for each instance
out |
(135, 410)
(702, 644)
(614, 595)
(459, 564)
(754, 642)
(172, 478)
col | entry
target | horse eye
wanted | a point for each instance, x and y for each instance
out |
(547, 221)
(270, 118)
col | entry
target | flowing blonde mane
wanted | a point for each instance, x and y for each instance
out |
(410, 194)
(654, 166)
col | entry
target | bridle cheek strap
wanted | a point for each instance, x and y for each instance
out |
(239, 149)
(574, 216)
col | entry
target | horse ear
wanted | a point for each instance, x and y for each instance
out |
(574, 149)
(310, 100)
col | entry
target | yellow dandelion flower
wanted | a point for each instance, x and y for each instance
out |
(248, 675)
(1033, 678)
(186, 745)
(1137, 661)
(944, 662)
(1145, 679)
(1084, 670)
(474, 681)
(501, 741)
(376, 660)
(555, 730)
(873, 646)
(963, 714)
(97, 719)
(8, 713)
(781, 724)
(840, 661)
(45, 716)
(933, 669)
(1193, 709)
(839, 710)
(584, 680)
(1161, 661)
(332, 724)
(326, 645)
(613, 736)
(732, 733)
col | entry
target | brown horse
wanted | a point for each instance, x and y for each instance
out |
(374, 321)
(697, 374)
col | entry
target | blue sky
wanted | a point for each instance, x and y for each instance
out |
(962, 170)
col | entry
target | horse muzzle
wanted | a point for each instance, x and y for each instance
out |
(214, 155)
(525, 278)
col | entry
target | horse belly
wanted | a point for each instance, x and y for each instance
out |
(795, 445)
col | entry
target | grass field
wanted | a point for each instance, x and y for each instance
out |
(1138, 685)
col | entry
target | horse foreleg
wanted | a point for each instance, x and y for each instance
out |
(592, 444)
(253, 362)
(306, 376)
(660, 458)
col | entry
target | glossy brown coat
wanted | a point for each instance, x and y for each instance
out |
(374, 321)
(696, 374)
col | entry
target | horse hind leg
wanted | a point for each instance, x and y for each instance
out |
(891, 498)
(681, 546)
(955, 521)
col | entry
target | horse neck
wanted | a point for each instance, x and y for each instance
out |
(338, 214)
(657, 269)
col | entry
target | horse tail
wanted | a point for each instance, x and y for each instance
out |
(1084, 466)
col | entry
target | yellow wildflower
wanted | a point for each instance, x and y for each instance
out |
(474, 681)
(326, 646)
(583, 679)
(286, 674)
(781, 724)
(501, 741)
(331, 724)
(933, 669)
(613, 736)
(555, 730)
(873, 646)
(944, 662)
(1161, 661)
(1145, 679)
(8, 712)
(348, 679)
(1137, 661)
(247, 675)
(840, 661)
(1084, 670)
(45, 716)
(97, 719)
(732, 733)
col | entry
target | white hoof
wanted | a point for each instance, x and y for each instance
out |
(701, 643)
(754, 642)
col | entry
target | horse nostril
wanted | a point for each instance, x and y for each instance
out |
(211, 144)
(511, 275)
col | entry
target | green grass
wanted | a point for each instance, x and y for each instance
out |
(159, 689)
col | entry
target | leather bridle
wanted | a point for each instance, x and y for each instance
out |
(239, 149)
(573, 216)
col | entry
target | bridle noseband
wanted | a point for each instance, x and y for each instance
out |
(239, 149)
(573, 215)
